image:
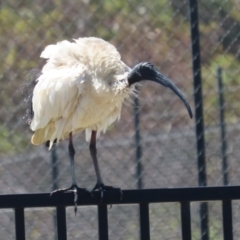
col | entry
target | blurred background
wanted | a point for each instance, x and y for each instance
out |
(154, 31)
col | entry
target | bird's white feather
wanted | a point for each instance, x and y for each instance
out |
(82, 86)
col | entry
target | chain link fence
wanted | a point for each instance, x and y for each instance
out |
(154, 31)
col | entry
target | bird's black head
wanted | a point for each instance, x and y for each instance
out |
(147, 71)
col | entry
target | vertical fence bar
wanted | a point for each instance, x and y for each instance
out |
(204, 220)
(102, 222)
(144, 221)
(138, 143)
(54, 181)
(200, 141)
(186, 221)
(138, 154)
(202, 179)
(54, 168)
(19, 224)
(227, 220)
(61, 223)
(222, 127)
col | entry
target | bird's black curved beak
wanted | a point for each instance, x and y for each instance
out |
(147, 71)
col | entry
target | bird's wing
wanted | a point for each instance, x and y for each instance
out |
(55, 98)
(62, 54)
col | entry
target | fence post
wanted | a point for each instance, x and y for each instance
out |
(138, 143)
(102, 222)
(200, 141)
(222, 127)
(54, 182)
(19, 224)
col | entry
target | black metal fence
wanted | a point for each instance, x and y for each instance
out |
(141, 197)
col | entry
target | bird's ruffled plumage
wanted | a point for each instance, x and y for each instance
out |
(78, 89)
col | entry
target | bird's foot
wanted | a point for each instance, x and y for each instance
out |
(102, 188)
(72, 189)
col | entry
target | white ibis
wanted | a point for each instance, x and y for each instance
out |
(82, 86)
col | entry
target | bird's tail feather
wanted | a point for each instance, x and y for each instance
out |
(48, 135)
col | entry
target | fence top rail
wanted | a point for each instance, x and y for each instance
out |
(220, 193)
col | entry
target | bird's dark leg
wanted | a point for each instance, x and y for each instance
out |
(100, 186)
(71, 152)
(93, 152)
(73, 188)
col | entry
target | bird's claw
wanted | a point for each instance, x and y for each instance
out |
(72, 189)
(102, 188)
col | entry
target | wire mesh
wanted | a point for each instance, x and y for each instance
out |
(154, 31)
